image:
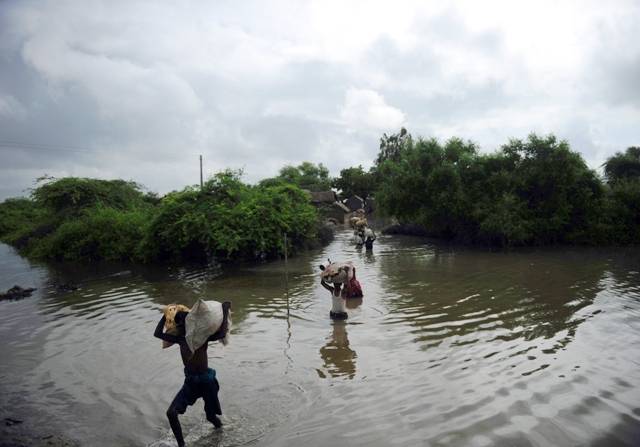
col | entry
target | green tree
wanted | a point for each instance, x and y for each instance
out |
(624, 211)
(81, 218)
(559, 190)
(231, 221)
(623, 165)
(355, 181)
(226, 220)
(305, 176)
(314, 177)
(69, 197)
(536, 191)
(423, 184)
(16, 214)
(391, 147)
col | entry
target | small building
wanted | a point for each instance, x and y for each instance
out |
(328, 202)
(354, 203)
(319, 197)
(338, 211)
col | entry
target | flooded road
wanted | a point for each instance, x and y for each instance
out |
(450, 346)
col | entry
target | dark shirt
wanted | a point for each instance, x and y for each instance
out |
(369, 243)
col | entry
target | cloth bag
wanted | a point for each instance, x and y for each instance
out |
(338, 272)
(204, 319)
(355, 289)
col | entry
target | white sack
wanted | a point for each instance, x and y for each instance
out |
(204, 319)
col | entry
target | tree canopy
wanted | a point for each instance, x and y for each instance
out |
(305, 176)
(355, 181)
(532, 192)
(226, 220)
(623, 165)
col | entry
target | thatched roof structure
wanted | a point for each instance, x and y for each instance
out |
(321, 196)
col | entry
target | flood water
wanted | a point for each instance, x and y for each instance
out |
(450, 346)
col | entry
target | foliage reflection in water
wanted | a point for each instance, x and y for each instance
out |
(450, 346)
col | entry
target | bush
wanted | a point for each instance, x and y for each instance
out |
(530, 192)
(67, 198)
(100, 234)
(624, 211)
(16, 215)
(231, 221)
(79, 218)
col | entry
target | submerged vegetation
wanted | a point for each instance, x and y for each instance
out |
(226, 220)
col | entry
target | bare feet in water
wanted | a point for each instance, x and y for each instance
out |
(217, 423)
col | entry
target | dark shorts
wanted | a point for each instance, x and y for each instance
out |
(203, 386)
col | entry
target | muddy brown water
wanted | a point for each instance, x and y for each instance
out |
(450, 346)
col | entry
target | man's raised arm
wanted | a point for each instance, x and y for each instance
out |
(159, 332)
(222, 332)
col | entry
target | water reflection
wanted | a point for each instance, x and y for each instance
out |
(441, 294)
(455, 346)
(338, 357)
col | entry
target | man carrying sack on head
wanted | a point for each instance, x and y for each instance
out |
(207, 321)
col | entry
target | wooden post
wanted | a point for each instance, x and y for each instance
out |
(286, 269)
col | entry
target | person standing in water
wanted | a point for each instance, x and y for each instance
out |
(200, 380)
(370, 237)
(339, 298)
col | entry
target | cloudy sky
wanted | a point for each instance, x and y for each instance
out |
(139, 90)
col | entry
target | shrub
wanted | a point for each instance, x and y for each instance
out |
(17, 214)
(231, 221)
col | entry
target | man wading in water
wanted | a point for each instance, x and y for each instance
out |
(200, 380)
(339, 298)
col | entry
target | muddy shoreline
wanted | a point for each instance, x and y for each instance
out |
(24, 440)
(17, 433)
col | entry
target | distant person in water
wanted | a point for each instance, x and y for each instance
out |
(200, 380)
(370, 237)
(339, 299)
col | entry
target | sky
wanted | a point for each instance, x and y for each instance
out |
(140, 90)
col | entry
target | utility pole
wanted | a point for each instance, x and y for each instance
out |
(201, 172)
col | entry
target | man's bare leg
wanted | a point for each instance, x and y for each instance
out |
(172, 414)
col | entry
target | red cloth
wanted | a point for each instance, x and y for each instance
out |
(356, 289)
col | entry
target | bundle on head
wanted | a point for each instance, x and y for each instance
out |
(338, 272)
(170, 312)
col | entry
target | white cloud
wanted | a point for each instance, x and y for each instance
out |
(366, 111)
(261, 84)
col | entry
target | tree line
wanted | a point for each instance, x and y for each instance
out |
(530, 192)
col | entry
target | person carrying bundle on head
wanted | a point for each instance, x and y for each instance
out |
(369, 236)
(193, 330)
(332, 278)
(338, 297)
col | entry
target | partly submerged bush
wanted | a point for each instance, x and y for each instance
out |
(231, 221)
(16, 215)
(531, 192)
(68, 198)
(101, 233)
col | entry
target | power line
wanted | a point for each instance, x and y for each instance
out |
(53, 147)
